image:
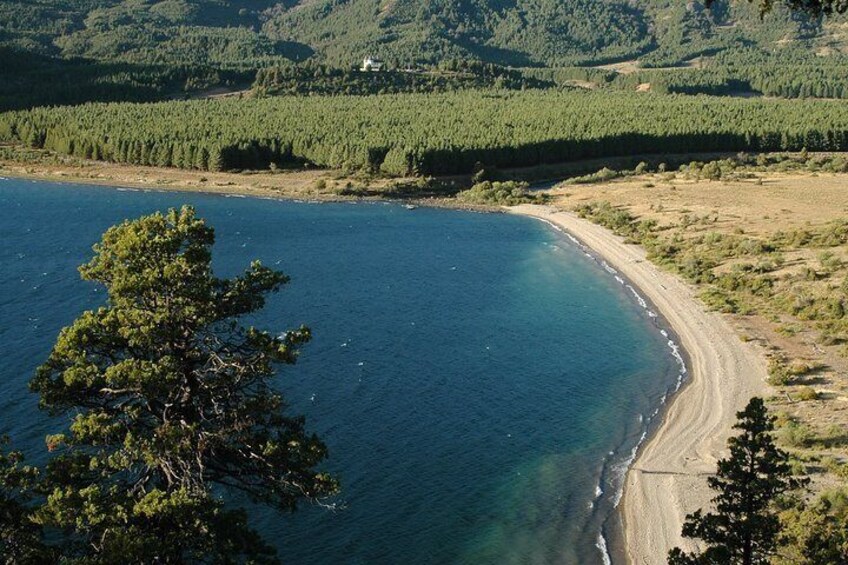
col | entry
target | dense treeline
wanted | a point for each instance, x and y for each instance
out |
(315, 78)
(28, 80)
(565, 75)
(788, 72)
(448, 133)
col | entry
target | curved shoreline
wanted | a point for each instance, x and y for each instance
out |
(667, 479)
(615, 468)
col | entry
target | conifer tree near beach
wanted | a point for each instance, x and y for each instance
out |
(744, 528)
(172, 406)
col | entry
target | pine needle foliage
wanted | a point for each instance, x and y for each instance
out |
(744, 528)
(172, 407)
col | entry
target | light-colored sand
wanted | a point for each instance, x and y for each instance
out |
(668, 478)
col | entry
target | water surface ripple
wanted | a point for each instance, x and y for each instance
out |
(474, 375)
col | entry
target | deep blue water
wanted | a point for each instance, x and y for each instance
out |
(471, 373)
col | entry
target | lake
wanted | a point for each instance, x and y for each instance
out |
(479, 380)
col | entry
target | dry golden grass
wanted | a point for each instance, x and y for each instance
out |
(780, 202)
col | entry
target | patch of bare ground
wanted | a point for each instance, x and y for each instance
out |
(585, 84)
(624, 67)
(302, 4)
(833, 39)
(220, 92)
(759, 205)
(386, 8)
(630, 67)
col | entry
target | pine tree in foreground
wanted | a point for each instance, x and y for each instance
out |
(745, 527)
(172, 406)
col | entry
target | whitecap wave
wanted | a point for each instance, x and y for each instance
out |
(601, 544)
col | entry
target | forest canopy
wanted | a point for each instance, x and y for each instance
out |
(432, 134)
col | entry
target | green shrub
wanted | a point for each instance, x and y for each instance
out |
(719, 300)
(779, 374)
(829, 261)
(797, 467)
(836, 467)
(806, 393)
(801, 368)
(509, 193)
(796, 435)
(603, 175)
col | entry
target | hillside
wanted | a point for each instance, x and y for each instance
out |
(168, 31)
(534, 33)
(239, 33)
(70, 51)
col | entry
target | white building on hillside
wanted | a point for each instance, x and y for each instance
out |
(371, 64)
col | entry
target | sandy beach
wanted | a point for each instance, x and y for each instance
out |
(668, 477)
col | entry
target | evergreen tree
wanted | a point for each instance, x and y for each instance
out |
(20, 536)
(744, 528)
(172, 406)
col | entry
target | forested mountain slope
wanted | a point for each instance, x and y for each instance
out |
(250, 33)
(71, 51)
(529, 32)
(223, 33)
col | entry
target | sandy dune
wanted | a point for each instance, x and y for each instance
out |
(668, 478)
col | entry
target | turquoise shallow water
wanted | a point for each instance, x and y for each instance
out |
(478, 379)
